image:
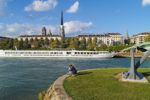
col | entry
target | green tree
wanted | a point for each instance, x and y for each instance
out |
(90, 45)
(83, 44)
(20, 44)
(95, 42)
(41, 42)
(76, 43)
(36, 44)
(147, 38)
(55, 44)
(10, 44)
(26, 44)
(103, 47)
(4, 44)
(67, 42)
(72, 43)
(46, 41)
(31, 41)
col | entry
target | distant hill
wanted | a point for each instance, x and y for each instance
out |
(4, 37)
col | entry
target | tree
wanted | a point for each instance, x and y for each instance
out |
(95, 42)
(20, 45)
(67, 42)
(83, 44)
(10, 44)
(103, 47)
(36, 44)
(31, 41)
(72, 43)
(89, 46)
(55, 44)
(147, 38)
(76, 43)
(4, 44)
(46, 41)
(41, 42)
(26, 44)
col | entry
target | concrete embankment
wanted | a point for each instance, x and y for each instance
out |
(56, 91)
(127, 54)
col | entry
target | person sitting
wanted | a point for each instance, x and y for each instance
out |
(72, 70)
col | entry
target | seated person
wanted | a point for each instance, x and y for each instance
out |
(72, 70)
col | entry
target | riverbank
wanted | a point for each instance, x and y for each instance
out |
(98, 84)
(127, 54)
(101, 84)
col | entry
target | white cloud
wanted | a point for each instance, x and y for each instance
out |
(145, 2)
(76, 26)
(74, 8)
(14, 30)
(3, 4)
(41, 5)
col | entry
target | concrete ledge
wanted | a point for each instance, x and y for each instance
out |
(57, 91)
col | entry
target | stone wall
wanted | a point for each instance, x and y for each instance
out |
(57, 91)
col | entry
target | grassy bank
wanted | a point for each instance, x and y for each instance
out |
(101, 84)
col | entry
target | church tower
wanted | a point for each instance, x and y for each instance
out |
(62, 28)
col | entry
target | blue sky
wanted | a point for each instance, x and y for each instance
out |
(19, 17)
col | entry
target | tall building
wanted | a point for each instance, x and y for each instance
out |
(62, 28)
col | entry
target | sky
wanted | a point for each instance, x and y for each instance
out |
(26, 17)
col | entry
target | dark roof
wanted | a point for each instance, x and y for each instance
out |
(39, 36)
(113, 33)
(99, 35)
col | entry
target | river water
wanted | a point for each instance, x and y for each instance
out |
(23, 79)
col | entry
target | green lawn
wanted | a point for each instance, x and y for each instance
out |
(101, 84)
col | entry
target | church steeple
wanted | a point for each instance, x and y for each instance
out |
(62, 28)
(62, 19)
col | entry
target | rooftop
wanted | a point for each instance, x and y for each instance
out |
(100, 35)
(39, 36)
(144, 33)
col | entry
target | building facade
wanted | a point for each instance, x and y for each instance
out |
(108, 38)
(29, 37)
(139, 38)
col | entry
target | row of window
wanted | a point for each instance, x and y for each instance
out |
(87, 53)
(54, 53)
(33, 53)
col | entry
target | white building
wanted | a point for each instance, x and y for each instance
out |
(29, 37)
(139, 38)
(108, 38)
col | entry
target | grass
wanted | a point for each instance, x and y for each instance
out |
(101, 84)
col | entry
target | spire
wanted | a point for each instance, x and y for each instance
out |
(62, 29)
(62, 18)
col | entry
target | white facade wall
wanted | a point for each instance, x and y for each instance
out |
(138, 39)
(29, 38)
